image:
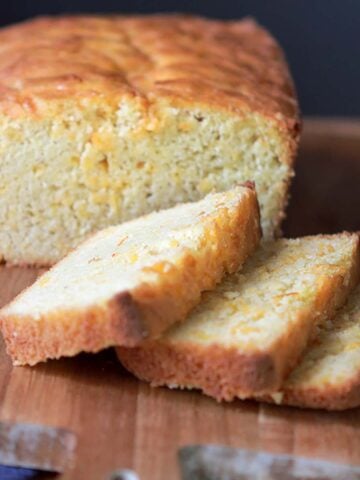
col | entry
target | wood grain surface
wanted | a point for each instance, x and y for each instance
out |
(121, 422)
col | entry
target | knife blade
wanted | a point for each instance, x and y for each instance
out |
(36, 447)
(214, 462)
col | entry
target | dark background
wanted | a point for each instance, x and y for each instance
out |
(321, 38)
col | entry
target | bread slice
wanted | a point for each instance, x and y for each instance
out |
(132, 281)
(107, 118)
(329, 374)
(246, 336)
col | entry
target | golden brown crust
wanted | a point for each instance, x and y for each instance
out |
(233, 65)
(127, 324)
(147, 310)
(333, 397)
(214, 370)
(29, 342)
(225, 373)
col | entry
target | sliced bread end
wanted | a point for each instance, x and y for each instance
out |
(134, 280)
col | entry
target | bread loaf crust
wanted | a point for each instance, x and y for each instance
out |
(111, 117)
(183, 60)
(234, 65)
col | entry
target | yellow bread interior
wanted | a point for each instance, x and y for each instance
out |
(257, 322)
(90, 166)
(120, 258)
(253, 307)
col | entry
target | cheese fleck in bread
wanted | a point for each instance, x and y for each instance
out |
(104, 119)
(329, 374)
(132, 281)
(245, 337)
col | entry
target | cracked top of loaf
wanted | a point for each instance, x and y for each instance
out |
(232, 65)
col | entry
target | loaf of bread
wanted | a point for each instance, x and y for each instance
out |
(104, 119)
(244, 338)
(329, 374)
(132, 281)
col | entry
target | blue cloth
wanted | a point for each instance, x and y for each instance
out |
(15, 473)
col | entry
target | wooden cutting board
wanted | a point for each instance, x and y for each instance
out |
(121, 422)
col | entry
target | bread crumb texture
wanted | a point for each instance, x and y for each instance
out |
(245, 337)
(134, 280)
(104, 119)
